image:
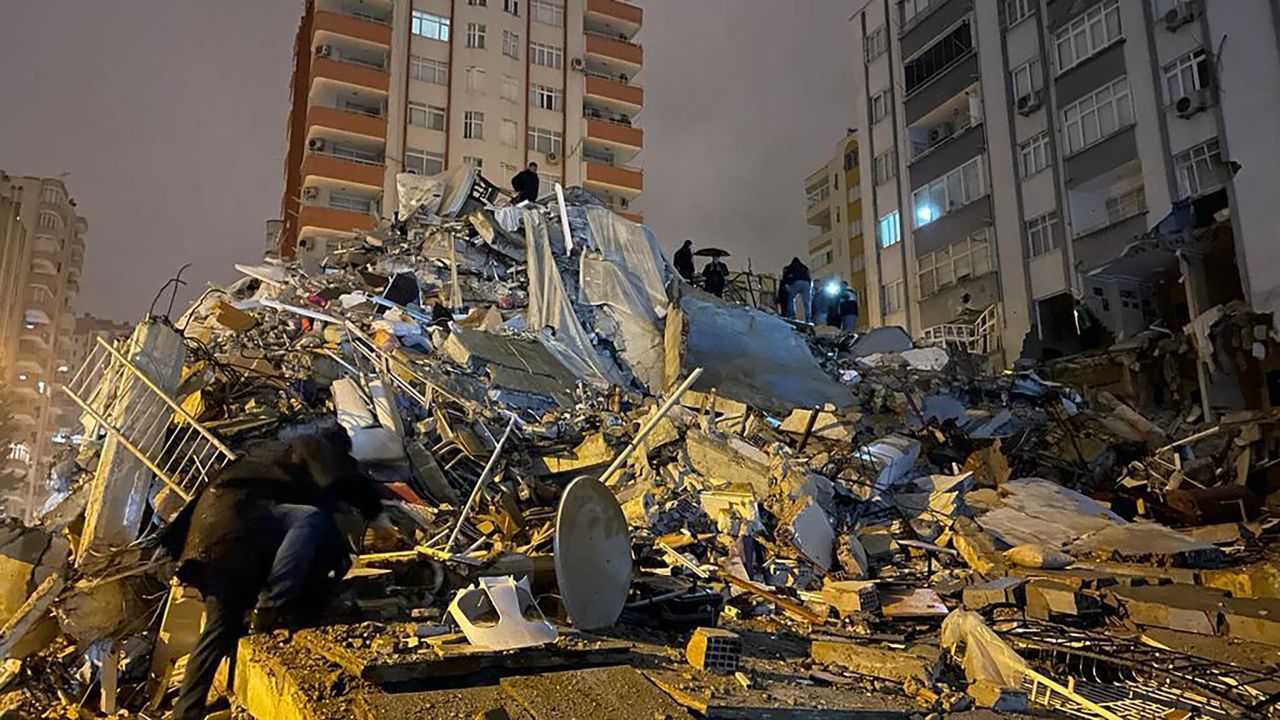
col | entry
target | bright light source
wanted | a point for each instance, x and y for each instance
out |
(64, 368)
(22, 376)
(40, 386)
(832, 288)
(925, 214)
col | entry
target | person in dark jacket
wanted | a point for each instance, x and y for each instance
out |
(848, 307)
(714, 277)
(262, 533)
(525, 185)
(684, 260)
(799, 285)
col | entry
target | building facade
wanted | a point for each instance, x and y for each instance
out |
(382, 87)
(1016, 148)
(833, 208)
(48, 280)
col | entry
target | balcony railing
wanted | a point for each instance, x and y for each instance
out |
(350, 155)
(609, 117)
(359, 109)
(819, 197)
(946, 132)
(616, 37)
(362, 14)
(357, 60)
(619, 78)
(979, 338)
(1119, 208)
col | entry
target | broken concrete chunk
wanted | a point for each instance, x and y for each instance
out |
(1038, 556)
(1185, 608)
(912, 603)
(728, 461)
(852, 557)
(714, 650)
(1005, 591)
(825, 425)
(1147, 542)
(890, 459)
(919, 662)
(851, 596)
(806, 528)
(1048, 600)
(976, 548)
(987, 694)
(1253, 619)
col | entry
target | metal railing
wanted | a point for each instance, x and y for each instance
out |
(357, 60)
(365, 15)
(615, 37)
(154, 427)
(621, 79)
(980, 337)
(614, 118)
(350, 156)
(359, 109)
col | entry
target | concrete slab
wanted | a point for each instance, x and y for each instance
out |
(609, 692)
(1186, 608)
(1047, 600)
(1147, 542)
(999, 592)
(449, 704)
(920, 662)
(516, 364)
(1253, 619)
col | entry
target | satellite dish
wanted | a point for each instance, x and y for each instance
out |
(592, 554)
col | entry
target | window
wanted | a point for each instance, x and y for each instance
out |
(427, 116)
(968, 258)
(887, 231)
(857, 263)
(912, 9)
(1097, 115)
(473, 125)
(1027, 78)
(475, 79)
(435, 72)
(1033, 155)
(475, 35)
(50, 220)
(547, 98)
(478, 3)
(546, 55)
(1087, 34)
(1200, 169)
(950, 192)
(422, 162)
(549, 181)
(51, 194)
(548, 13)
(1015, 11)
(511, 6)
(545, 141)
(877, 43)
(509, 133)
(348, 201)
(851, 160)
(1184, 76)
(938, 57)
(1126, 204)
(893, 295)
(430, 26)
(1042, 235)
(510, 88)
(473, 161)
(879, 106)
(884, 167)
(511, 44)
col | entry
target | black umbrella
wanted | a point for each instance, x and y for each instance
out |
(712, 252)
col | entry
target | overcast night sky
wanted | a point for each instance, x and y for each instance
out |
(168, 118)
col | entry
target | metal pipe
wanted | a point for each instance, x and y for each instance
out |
(650, 425)
(479, 487)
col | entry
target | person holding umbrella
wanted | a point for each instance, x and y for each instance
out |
(715, 274)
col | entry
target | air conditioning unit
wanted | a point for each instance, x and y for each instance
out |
(315, 144)
(1029, 103)
(310, 193)
(577, 63)
(941, 132)
(324, 50)
(553, 159)
(1178, 15)
(1189, 105)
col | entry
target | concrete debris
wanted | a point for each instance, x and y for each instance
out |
(819, 511)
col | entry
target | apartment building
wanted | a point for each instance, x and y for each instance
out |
(833, 208)
(1020, 148)
(48, 280)
(382, 87)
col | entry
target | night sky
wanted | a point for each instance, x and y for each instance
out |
(167, 118)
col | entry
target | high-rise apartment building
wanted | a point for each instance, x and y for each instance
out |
(1017, 149)
(48, 280)
(388, 86)
(833, 207)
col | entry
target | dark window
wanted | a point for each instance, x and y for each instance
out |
(939, 56)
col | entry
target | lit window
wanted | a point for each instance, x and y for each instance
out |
(1200, 169)
(435, 72)
(1027, 78)
(1184, 76)
(422, 162)
(1087, 34)
(547, 98)
(1097, 115)
(887, 230)
(473, 125)
(548, 13)
(546, 55)
(950, 192)
(431, 26)
(511, 6)
(545, 141)
(1033, 155)
(511, 44)
(475, 35)
(1042, 236)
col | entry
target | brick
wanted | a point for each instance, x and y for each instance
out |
(714, 650)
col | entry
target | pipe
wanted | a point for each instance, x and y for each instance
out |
(475, 491)
(650, 425)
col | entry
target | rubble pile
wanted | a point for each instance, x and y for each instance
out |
(591, 468)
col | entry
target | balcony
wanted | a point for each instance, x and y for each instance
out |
(616, 49)
(367, 27)
(351, 73)
(609, 89)
(613, 16)
(347, 121)
(618, 177)
(333, 219)
(611, 130)
(344, 169)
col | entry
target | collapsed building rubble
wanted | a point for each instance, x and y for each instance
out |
(595, 476)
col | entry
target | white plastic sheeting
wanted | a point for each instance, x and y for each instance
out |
(442, 194)
(986, 655)
(626, 276)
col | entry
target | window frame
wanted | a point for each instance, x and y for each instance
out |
(1034, 73)
(540, 7)
(553, 97)
(476, 35)
(546, 55)
(1195, 63)
(511, 7)
(889, 227)
(1036, 150)
(1042, 228)
(1118, 97)
(545, 141)
(1190, 163)
(893, 296)
(879, 106)
(511, 44)
(473, 125)
(430, 25)
(884, 167)
(426, 157)
(1011, 19)
(1079, 32)
(421, 67)
(937, 193)
(433, 117)
(876, 43)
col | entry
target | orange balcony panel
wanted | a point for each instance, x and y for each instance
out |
(327, 218)
(616, 176)
(354, 123)
(623, 11)
(616, 49)
(353, 27)
(614, 90)
(614, 133)
(351, 74)
(345, 170)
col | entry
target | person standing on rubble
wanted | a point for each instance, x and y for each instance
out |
(525, 185)
(714, 277)
(684, 260)
(847, 306)
(261, 541)
(799, 285)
